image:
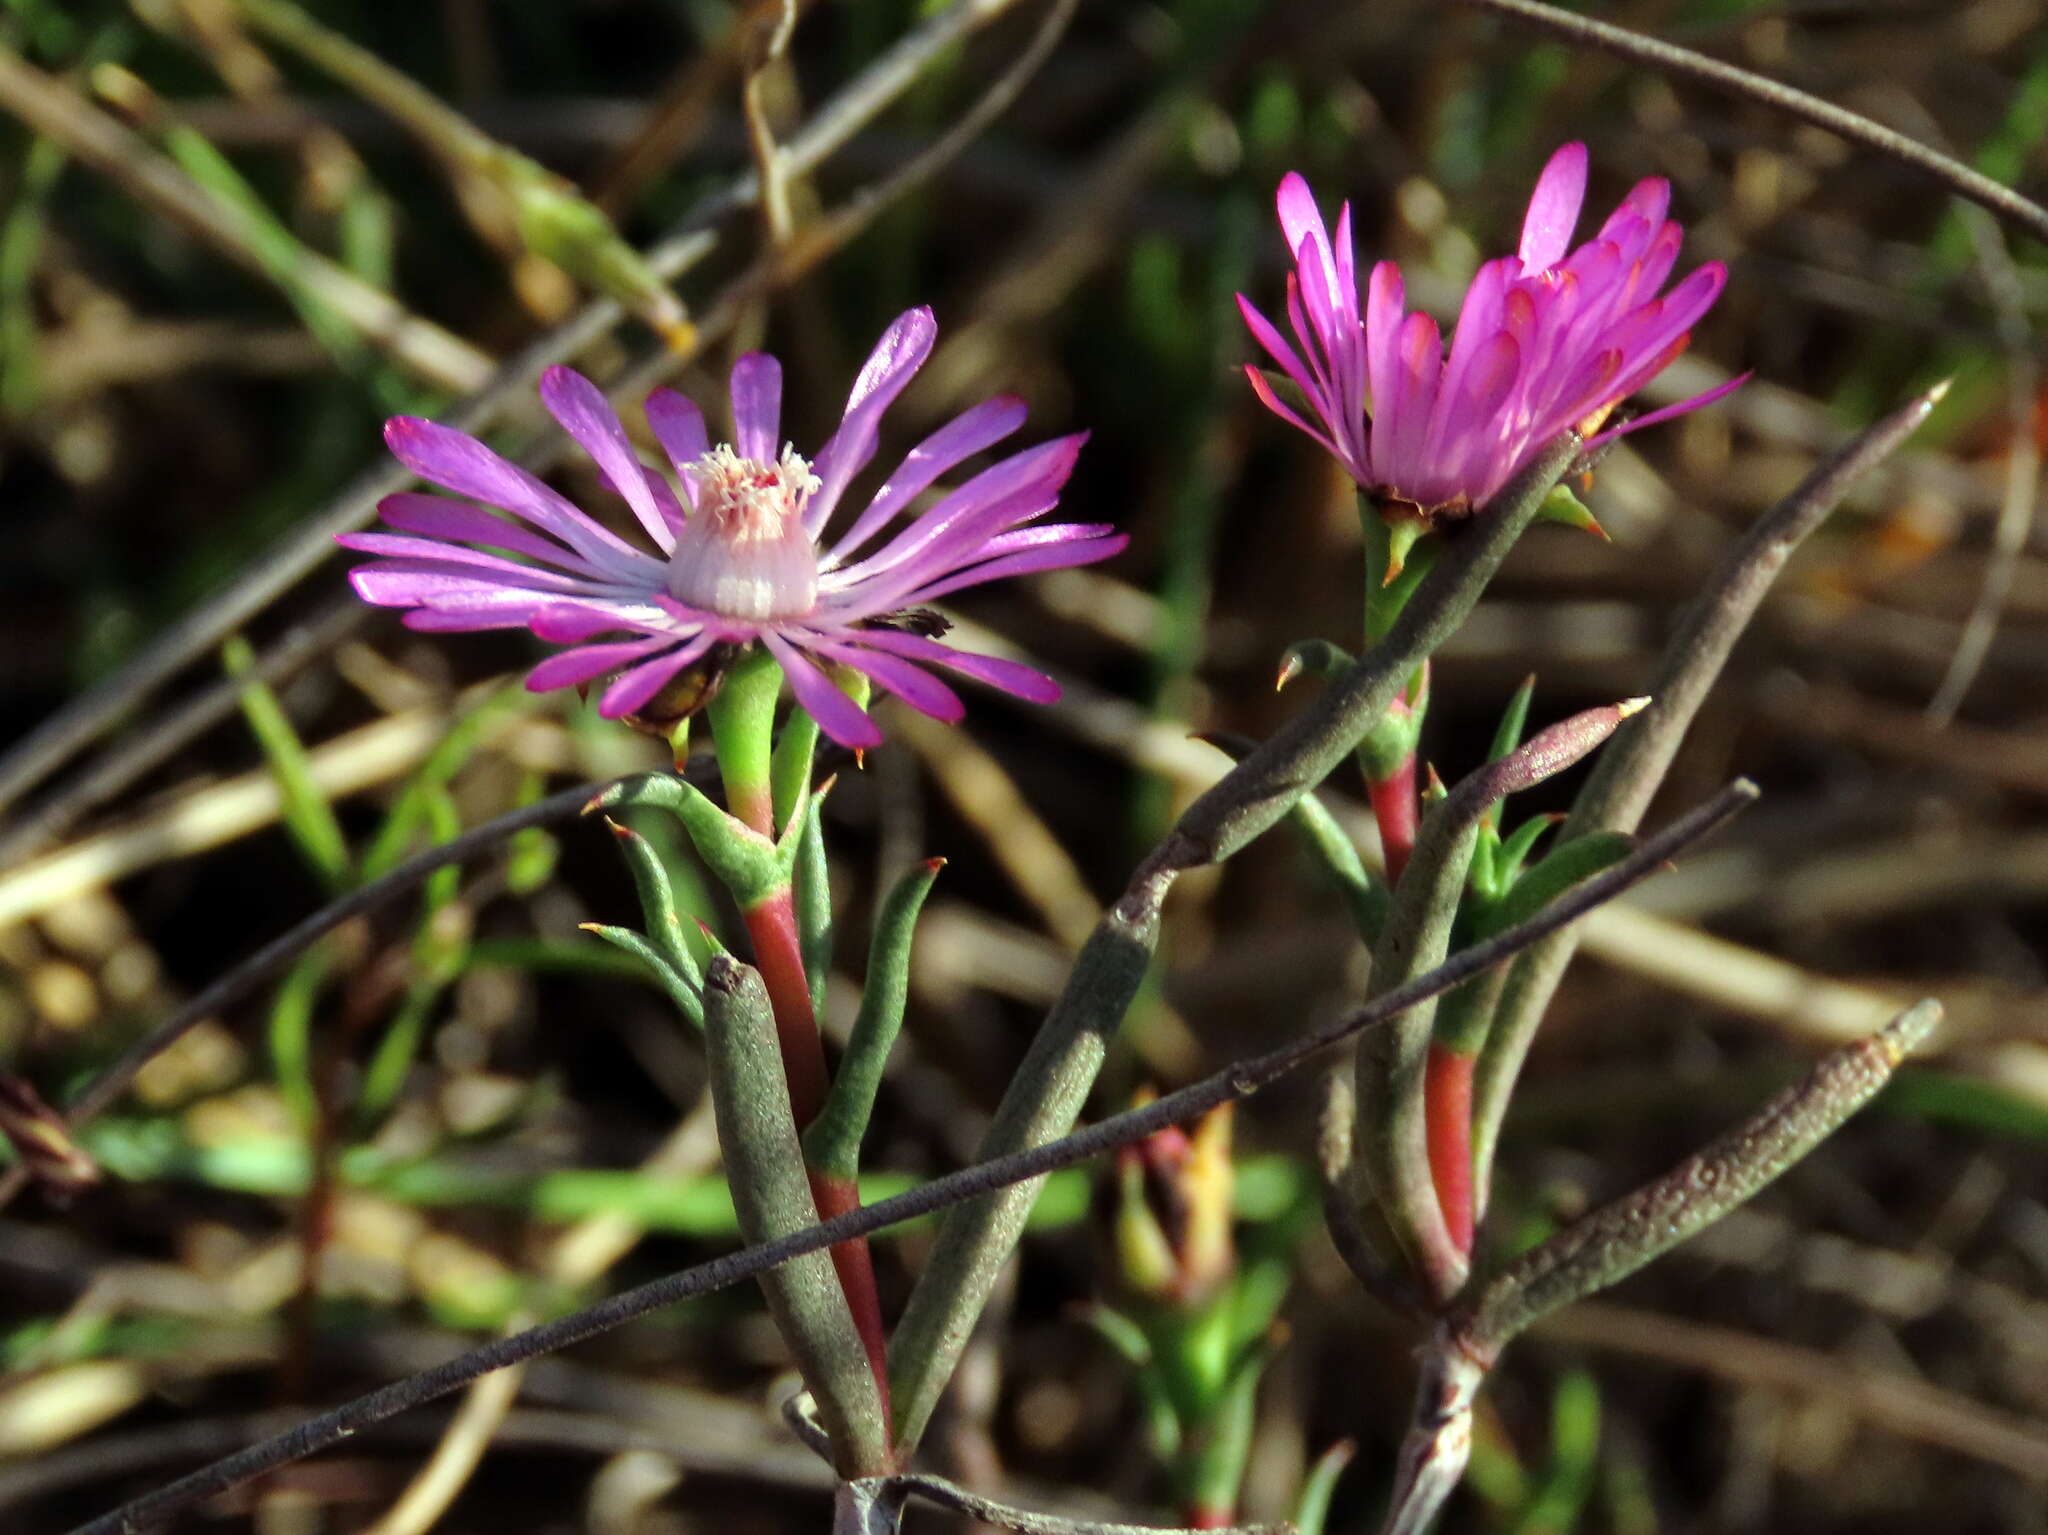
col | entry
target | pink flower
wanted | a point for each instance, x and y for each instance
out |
(1545, 340)
(741, 559)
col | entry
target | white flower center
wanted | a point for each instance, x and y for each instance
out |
(743, 552)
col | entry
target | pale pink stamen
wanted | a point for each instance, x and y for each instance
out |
(744, 553)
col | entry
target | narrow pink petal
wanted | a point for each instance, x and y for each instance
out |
(570, 623)
(1657, 261)
(889, 369)
(1052, 557)
(1649, 349)
(1719, 391)
(1315, 338)
(665, 502)
(1347, 259)
(961, 438)
(457, 461)
(570, 668)
(431, 621)
(678, 425)
(426, 583)
(1268, 336)
(586, 415)
(1301, 221)
(412, 511)
(636, 687)
(1476, 455)
(1012, 677)
(1478, 325)
(757, 406)
(473, 563)
(1554, 208)
(1419, 366)
(1000, 491)
(1385, 300)
(1278, 407)
(909, 682)
(837, 715)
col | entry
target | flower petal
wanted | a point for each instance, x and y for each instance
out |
(1554, 208)
(837, 715)
(965, 435)
(1007, 676)
(587, 416)
(756, 406)
(909, 682)
(586, 663)
(678, 425)
(457, 461)
(1719, 391)
(894, 362)
(633, 690)
(1052, 557)
(412, 511)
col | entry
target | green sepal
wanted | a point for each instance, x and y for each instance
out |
(1494, 866)
(1483, 878)
(658, 908)
(1365, 895)
(744, 861)
(1513, 720)
(814, 908)
(1146, 1264)
(1564, 507)
(832, 1142)
(1314, 658)
(1162, 1420)
(1507, 865)
(1120, 1333)
(1212, 1476)
(687, 995)
(1312, 1504)
(1559, 1500)
(1568, 864)
(789, 769)
(1392, 546)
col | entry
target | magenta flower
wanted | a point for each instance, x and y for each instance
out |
(1545, 340)
(741, 560)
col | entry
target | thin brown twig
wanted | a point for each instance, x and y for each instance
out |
(1853, 126)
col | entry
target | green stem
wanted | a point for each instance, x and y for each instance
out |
(743, 733)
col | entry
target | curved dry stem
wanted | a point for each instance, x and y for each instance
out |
(1672, 59)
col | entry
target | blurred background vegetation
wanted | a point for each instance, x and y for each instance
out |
(224, 258)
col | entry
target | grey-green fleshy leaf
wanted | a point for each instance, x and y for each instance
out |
(832, 1143)
(772, 1195)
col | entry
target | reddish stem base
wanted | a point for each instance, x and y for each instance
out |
(779, 956)
(1447, 1107)
(856, 1270)
(1396, 809)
